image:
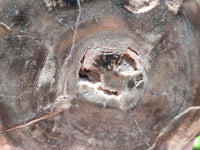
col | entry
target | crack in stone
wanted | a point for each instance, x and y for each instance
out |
(188, 127)
(62, 103)
(47, 116)
(75, 30)
(141, 132)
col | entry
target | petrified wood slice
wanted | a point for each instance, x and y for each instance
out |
(99, 74)
(182, 129)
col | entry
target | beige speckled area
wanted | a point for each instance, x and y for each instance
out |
(141, 6)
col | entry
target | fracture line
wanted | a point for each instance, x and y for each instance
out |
(141, 132)
(76, 27)
(50, 115)
(6, 26)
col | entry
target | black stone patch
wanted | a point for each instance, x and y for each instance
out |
(70, 2)
(131, 84)
(107, 61)
(20, 17)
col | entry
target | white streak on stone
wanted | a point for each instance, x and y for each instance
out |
(76, 28)
(47, 75)
(138, 6)
(174, 5)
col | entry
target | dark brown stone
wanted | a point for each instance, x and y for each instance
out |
(42, 50)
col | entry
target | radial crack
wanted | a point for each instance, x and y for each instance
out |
(75, 30)
(47, 116)
(62, 103)
(141, 132)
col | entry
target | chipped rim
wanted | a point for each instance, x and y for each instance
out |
(100, 93)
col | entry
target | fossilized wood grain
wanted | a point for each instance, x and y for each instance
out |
(40, 54)
(182, 129)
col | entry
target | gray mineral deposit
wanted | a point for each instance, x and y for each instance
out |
(99, 74)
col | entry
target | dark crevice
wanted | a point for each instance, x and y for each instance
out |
(131, 84)
(130, 61)
(90, 75)
(107, 61)
(108, 92)
(20, 17)
(132, 50)
(139, 78)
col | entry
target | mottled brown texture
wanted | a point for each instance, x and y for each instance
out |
(38, 64)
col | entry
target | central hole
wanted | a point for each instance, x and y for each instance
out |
(111, 78)
(115, 72)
